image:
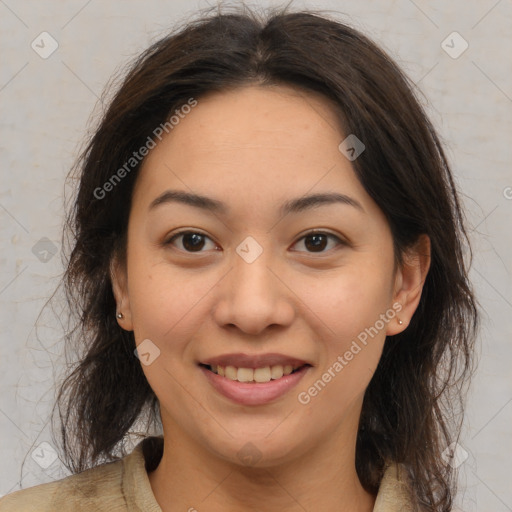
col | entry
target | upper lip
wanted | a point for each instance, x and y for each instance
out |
(254, 361)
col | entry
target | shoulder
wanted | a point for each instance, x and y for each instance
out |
(76, 492)
(115, 486)
(396, 491)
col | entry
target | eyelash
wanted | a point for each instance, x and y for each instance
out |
(339, 241)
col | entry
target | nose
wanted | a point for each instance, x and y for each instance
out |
(254, 295)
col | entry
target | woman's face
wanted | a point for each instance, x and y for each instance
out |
(251, 289)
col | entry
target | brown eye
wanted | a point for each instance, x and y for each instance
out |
(318, 241)
(191, 241)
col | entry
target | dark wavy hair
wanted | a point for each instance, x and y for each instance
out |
(413, 404)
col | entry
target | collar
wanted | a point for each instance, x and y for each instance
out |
(395, 492)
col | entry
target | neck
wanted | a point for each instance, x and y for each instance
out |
(324, 478)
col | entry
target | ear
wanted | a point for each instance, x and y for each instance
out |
(119, 278)
(409, 281)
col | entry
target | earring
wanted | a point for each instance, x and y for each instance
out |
(119, 315)
(400, 321)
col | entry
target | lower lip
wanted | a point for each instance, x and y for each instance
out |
(256, 393)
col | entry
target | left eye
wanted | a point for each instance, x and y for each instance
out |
(193, 241)
(317, 241)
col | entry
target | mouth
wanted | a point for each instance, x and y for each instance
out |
(253, 380)
(254, 375)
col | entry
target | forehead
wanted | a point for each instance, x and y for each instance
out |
(252, 144)
(276, 117)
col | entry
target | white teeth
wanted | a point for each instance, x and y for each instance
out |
(265, 374)
(276, 372)
(231, 372)
(245, 374)
(262, 374)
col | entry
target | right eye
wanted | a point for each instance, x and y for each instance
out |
(192, 241)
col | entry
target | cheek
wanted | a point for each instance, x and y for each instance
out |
(350, 301)
(165, 302)
(351, 307)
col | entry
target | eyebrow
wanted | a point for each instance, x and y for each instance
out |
(292, 206)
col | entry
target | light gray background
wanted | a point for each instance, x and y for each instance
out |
(46, 104)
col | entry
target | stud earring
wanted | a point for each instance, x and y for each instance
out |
(400, 321)
(119, 315)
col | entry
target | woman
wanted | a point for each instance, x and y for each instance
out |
(268, 260)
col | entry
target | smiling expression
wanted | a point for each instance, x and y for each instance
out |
(255, 258)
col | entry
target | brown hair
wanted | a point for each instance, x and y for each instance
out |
(408, 405)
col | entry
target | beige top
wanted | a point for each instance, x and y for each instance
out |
(124, 485)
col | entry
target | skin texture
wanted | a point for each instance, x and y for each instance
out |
(255, 148)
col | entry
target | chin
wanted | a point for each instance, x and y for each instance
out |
(259, 450)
